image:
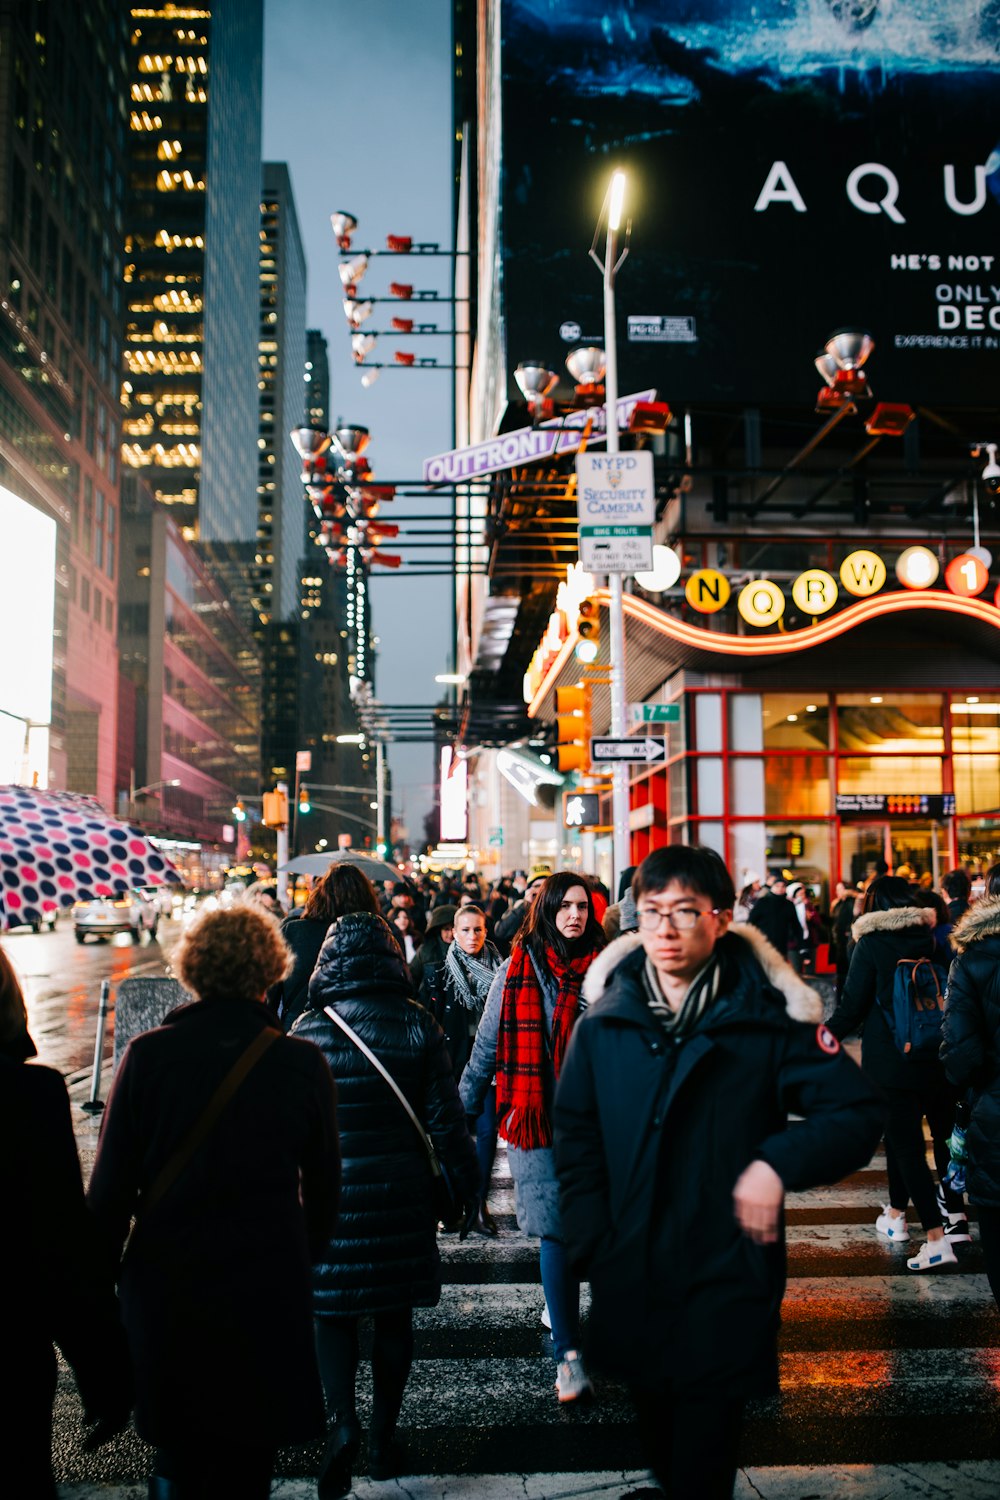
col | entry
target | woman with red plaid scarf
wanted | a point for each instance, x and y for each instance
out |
(530, 1012)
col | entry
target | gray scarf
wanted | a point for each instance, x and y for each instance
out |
(470, 978)
(701, 992)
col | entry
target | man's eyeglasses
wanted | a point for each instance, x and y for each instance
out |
(682, 918)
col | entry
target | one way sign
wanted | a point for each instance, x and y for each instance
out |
(632, 749)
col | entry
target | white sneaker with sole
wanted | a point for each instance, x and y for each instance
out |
(546, 1320)
(893, 1228)
(933, 1256)
(572, 1383)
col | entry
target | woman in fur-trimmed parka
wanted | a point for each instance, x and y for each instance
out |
(971, 1055)
(383, 1257)
(891, 928)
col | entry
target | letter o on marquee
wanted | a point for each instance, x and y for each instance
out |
(814, 592)
(707, 591)
(862, 573)
(761, 602)
(966, 575)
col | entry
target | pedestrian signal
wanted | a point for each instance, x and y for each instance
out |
(573, 727)
(581, 809)
(275, 810)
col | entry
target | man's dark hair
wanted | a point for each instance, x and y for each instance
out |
(958, 885)
(695, 868)
(540, 930)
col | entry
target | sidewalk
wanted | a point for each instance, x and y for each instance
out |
(972, 1481)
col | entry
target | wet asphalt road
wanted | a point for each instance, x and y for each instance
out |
(62, 985)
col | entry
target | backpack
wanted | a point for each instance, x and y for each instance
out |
(918, 991)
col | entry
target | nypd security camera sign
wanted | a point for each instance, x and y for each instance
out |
(616, 508)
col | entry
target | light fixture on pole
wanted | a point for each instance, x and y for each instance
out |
(344, 225)
(535, 380)
(587, 364)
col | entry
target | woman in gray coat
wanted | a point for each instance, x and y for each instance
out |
(530, 1012)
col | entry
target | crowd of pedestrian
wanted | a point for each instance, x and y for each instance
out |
(278, 1159)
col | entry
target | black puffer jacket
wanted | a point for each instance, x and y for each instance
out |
(305, 936)
(971, 1047)
(882, 938)
(383, 1253)
(652, 1133)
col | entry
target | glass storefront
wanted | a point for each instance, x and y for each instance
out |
(829, 785)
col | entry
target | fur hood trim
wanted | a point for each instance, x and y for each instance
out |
(802, 1003)
(896, 919)
(980, 921)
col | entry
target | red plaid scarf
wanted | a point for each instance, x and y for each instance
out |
(522, 1045)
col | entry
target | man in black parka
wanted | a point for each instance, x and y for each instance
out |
(674, 1153)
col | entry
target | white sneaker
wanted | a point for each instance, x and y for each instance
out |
(933, 1256)
(892, 1227)
(572, 1383)
(546, 1319)
(956, 1229)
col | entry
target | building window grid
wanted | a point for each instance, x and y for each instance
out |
(833, 755)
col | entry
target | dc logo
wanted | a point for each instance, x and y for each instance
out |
(570, 332)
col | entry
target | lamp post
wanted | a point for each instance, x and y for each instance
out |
(141, 791)
(609, 267)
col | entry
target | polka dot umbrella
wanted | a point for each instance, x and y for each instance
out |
(61, 847)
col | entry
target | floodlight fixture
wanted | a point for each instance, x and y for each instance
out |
(352, 439)
(343, 225)
(849, 347)
(362, 345)
(351, 271)
(535, 380)
(587, 366)
(357, 312)
(310, 442)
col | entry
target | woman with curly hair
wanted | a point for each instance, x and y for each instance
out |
(530, 1013)
(220, 1137)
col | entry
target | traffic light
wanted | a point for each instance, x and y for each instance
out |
(573, 727)
(239, 811)
(588, 629)
(275, 810)
(304, 804)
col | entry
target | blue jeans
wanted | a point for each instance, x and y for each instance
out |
(562, 1294)
(486, 1140)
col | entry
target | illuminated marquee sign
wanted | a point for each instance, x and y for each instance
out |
(707, 591)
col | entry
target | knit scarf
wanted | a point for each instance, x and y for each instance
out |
(525, 1050)
(701, 992)
(469, 978)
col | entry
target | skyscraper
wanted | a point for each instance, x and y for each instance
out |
(193, 222)
(280, 362)
(62, 136)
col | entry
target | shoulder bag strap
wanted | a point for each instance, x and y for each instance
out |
(380, 1068)
(171, 1170)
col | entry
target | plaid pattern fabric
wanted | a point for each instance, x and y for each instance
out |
(523, 1049)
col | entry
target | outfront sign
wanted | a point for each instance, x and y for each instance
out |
(633, 748)
(528, 445)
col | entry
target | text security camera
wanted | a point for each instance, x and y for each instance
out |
(991, 472)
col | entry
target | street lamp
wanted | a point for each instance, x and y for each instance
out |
(135, 792)
(609, 266)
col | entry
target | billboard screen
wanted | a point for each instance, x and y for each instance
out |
(793, 167)
(27, 605)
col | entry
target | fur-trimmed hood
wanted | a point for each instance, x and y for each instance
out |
(802, 1003)
(896, 919)
(980, 921)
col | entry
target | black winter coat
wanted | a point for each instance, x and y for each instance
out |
(776, 918)
(56, 1289)
(383, 1253)
(971, 1046)
(215, 1289)
(651, 1136)
(881, 939)
(305, 936)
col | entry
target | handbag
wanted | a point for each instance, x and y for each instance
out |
(447, 1204)
(201, 1129)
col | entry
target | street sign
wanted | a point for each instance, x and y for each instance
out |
(632, 749)
(303, 760)
(655, 713)
(496, 838)
(616, 549)
(616, 508)
(581, 810)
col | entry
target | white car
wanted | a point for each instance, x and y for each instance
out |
(103, 916)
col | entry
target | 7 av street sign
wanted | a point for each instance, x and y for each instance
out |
(631, 749)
